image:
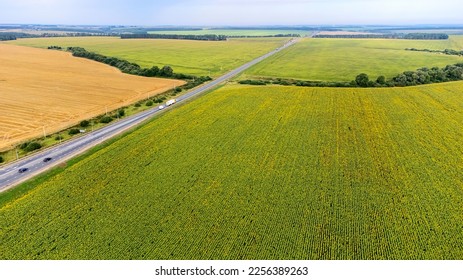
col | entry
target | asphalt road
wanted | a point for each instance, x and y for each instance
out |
(10, 176)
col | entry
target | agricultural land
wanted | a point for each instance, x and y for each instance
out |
(236, 32)
(44, 91)
(343, 59)
(198, 58)
(259, 173)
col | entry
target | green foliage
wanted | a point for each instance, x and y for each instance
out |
(362, 80)
(381, 80)
(30, 146)
(206, 37)
(84, 123)
(106, 119)
(266, 173)
(74, 131)
(166, 71)
(254, 82)
(121, 113)
(1, 159)
(59, 137)
(149, 103)
(408, 78)
(55, 48)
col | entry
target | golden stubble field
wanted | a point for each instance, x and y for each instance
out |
(47, 90)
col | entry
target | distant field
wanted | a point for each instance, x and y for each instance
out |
(235, 32)
(51, 90)
(446, 31)
(343, 59)
(189, 57)
(261, 173)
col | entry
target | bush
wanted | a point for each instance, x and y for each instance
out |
(106, 119)
(362, 80)
(24, 145)
(177, 90)
(74, 131)
(32, 146)
(149, 103)
(1, 159)
(137, 105)
(121, 112)
(84, 123)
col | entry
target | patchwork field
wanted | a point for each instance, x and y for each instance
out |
(260, 173)
(343, 59)
(51, 90)
(189, 57)
(236, 32)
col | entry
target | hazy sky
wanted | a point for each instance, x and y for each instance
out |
(231, 12)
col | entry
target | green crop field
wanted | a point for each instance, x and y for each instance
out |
(343, 59)
(260, 173)
(189, 57)
(235, 32)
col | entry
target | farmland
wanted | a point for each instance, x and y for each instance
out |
(343, 59)
(260, 173)
(188, 57)
(45, 91)
(235, 32)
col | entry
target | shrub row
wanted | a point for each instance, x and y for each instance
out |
(408, 78)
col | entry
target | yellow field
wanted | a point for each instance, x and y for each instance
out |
(45, 90)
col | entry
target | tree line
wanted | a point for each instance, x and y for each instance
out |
(408, 78)
(11, 36)
(265, 36)
(446, 51)
(209, 37)
(408, 36)
(135, 69)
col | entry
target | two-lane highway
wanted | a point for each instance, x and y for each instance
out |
(35, 164)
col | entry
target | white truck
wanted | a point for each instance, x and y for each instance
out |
(171, 102)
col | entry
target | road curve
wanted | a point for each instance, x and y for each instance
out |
(10, 176)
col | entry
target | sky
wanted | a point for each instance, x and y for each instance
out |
(231, 12)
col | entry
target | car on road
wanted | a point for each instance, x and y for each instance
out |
(22, 170)
(47, 159)
(161, 107)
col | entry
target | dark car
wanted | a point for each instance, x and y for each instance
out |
(47, 159)
(22, 170)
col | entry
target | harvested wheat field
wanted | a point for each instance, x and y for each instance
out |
(51, 90)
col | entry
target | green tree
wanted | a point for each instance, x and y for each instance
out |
(362, 80)
(381, 80)
(1, 159)
(106, 119)
(32, 146)
(166, 71)
(74, 131)
(84, 123)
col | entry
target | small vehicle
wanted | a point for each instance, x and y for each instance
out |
(161, 107)
(171, 102)
(22, 170)
(47, 159)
